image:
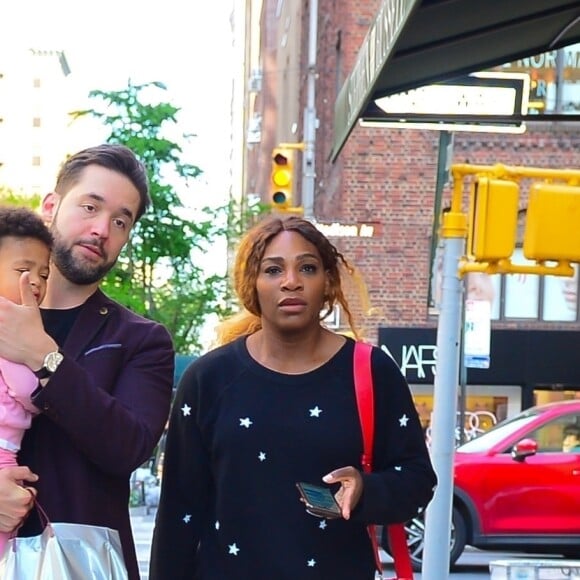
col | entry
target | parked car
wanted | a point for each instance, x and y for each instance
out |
(515, 489)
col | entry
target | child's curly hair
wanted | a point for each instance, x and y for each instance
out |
(22, 222)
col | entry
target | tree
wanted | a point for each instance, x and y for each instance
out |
(10, 197)
(155, 274)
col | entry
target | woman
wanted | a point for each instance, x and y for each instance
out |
(275, 405)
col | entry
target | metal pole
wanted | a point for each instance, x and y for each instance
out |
(444, 156)
(560, 64)
(438, 517)
(462, 368)
(308, 158)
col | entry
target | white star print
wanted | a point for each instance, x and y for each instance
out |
(322, 525)
(311, 563)
(315, 412)
(403, 420)
(217, 525)
(186, 410)
(233, 549)
(398, 468)
(187, 518)
(245, 422)
(262, 456)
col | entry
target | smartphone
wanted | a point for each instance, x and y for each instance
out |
(319, 500)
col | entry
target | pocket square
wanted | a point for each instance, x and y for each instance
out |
(103, 346)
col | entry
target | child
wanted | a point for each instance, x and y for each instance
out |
(25, 244)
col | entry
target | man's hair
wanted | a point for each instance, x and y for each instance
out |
(21, 222)
(110, 156)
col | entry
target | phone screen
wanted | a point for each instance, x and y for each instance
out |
(319, 499)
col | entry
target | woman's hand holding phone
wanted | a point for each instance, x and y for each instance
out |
(351, 488)
(319, 500)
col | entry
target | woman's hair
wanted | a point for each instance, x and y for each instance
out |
(247, 267)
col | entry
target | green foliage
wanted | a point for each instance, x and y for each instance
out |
(240, 217)
(156, 275)
(11, 197)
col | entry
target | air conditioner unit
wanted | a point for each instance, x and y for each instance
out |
(255, 83)
(255, 129)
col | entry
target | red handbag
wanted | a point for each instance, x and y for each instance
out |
(363, 382)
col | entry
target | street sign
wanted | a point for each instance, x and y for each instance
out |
(491, 102)
(477, 334)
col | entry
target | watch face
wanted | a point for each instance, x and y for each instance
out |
(52, 361)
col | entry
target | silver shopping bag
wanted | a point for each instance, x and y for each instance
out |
(65, 552)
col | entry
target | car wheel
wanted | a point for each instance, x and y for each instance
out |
(415, 530)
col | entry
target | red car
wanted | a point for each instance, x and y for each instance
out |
(515, 489)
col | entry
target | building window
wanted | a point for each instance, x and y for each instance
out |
(554, 80)
(36, 122)
(36, 83)
(526, 296)
(36, 161)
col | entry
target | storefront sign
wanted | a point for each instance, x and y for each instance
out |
(372, 57)
(337, 230)
(550, 356)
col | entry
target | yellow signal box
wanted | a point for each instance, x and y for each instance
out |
(493, 219)
(552, 230)
(282, 179)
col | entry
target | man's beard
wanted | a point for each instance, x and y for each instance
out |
(74, 270)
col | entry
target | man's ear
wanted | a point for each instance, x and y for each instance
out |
(49, 207)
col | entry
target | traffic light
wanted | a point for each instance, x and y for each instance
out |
(282, 179)
(493, 219)
(552, 230)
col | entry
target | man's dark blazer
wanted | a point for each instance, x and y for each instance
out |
(103, 412)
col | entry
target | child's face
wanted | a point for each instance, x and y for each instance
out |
(19, 255)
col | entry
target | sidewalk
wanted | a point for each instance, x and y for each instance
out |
(142, 524)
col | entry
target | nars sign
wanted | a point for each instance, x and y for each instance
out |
(416, 361)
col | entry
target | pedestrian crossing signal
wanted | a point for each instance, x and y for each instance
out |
(493, 219)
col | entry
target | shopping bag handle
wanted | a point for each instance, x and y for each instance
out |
(42, 516)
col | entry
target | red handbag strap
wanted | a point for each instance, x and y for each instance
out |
(363, 382)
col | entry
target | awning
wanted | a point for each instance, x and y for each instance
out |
(418, 42)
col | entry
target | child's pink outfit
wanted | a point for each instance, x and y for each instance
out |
(17, 383)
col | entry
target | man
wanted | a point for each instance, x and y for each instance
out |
(105, 374)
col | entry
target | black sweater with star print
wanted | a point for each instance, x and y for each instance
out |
(241, 436)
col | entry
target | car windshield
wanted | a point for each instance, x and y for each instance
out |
(499, 432)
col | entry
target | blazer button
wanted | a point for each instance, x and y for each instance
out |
(103, 310)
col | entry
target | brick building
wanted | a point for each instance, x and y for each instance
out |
(384, 181)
